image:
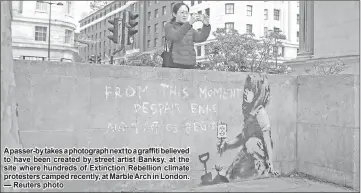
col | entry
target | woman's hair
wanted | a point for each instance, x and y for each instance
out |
(175, 10)
(258, 84)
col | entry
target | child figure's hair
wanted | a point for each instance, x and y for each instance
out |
(258, 84)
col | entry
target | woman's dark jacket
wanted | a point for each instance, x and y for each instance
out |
(183, 37)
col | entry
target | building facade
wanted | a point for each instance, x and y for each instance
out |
(257, 17)
(328, 41)
(151, 19)
(30, 30)
(98, 32)
(156, 15)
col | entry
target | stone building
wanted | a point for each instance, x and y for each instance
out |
(256, 17)
(30, 30)
(329, 30)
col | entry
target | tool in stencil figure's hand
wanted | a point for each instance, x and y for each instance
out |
(207, 177)
(221, 135)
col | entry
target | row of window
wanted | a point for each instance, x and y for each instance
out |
(249, 29)
(150, 2)
(164, 11)
(275, 51)
(192, 2)
(109, 9)
(42, 6)
(41, 34)
(229, 9)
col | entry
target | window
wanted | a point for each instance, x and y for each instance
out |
(265, 33)
(68, 35)
(40, 33)
(192, 2)
(148, 30)
(156, 28)
(298, 50)
(199, 2)
(199, 51)
(283, 51)
(276, 15)
(229, 8)
(275, 51)
(276, 29)
(298, 18)
(68, 7)
(171, 7)
(208, 12)
(164, 23)
(155, 42)
(156, 13)
(17, 6)
(249, 28)
(41, 6)
(265, 14)
(229, 26)
(164, 10)
(298, 36)
(249, 10)
(149, 15)
(163, 40)
(148, 44)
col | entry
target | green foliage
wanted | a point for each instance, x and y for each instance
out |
(152, 58)
(327, 67)
(236, 52)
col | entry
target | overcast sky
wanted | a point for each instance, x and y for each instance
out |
(81, 8)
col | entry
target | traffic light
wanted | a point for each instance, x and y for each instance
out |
(114, 29)
(130, 25)
(92, 59)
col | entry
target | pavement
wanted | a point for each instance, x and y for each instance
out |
(281, 184)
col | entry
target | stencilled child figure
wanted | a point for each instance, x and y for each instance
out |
(255, 142)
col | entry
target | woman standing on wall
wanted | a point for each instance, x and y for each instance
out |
(182, 36)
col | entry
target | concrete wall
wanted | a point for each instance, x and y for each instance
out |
(78, 105)
(67, 105)
(328, 129)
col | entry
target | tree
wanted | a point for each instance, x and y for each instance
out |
(96, 5)
(231, 51)
(9, 125)
(152, 58)
(325, 67)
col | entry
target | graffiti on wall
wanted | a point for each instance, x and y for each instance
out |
(253, 145)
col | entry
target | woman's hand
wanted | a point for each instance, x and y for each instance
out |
(194, 18)
(205, 19)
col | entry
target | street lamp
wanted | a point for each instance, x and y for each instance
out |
(50, 3)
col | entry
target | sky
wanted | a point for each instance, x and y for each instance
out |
(81, 8)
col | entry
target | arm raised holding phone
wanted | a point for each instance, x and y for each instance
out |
(179, 31)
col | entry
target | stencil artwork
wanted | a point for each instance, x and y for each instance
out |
(253, 145)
